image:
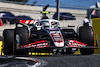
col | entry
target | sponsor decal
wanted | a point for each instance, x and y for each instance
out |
(57, 37)
(38, 44)
(73, 43)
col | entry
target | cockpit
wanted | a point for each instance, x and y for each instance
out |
(47, 24)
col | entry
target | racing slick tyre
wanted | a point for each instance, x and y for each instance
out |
(21, 38)
(8, 37)
(86, 36)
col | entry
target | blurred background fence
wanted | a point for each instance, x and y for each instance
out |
(70, 13)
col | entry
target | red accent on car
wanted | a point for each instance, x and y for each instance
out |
(37, 44)
(74, 43)
(22, 21)
(51, 22)
(29, 22)
(28, 37)
(55, 36)
(93, 38)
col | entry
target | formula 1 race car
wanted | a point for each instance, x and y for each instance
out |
(46, 35)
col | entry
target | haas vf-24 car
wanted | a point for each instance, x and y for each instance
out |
(46, 35)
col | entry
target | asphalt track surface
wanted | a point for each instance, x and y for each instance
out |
(54, 61)
(14, 62)
(72, 60)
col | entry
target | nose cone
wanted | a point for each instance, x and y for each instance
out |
(59, 44)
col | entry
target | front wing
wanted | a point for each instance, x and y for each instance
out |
(71, 44)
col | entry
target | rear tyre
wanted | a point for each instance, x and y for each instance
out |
(21, 38)
(86, 36)
(8, 37)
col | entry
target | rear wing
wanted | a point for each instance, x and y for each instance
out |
(27, 21)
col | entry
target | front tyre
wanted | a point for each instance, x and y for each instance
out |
(86, 36)
(8, 37)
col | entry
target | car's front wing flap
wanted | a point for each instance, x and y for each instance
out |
(42, 44)
(65, 47)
